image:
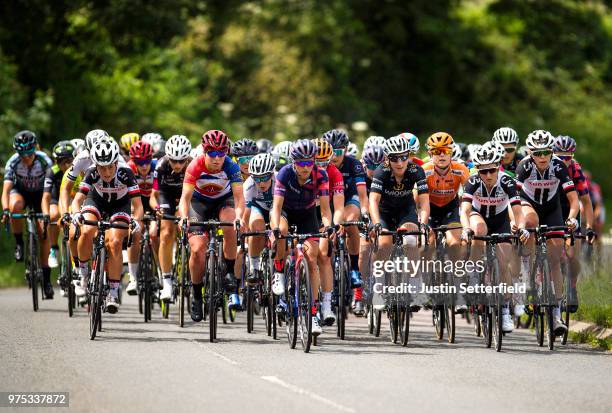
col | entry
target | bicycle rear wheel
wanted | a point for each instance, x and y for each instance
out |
(96, 296)
(250, 308)
(449, 318)
(538, 318)
(550, 336)
(438, 313)
(393, 316)
(304, 305)
(487, 325)
(67, 277)
(377, 322)
(404, 324)
(497, 310)
(145, 275)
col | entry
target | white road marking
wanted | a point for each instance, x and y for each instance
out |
(298, 390)
(218, 355)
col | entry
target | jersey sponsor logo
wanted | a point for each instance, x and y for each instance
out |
(485, 200)
(210, 188)
(398, 186)
(544, 183)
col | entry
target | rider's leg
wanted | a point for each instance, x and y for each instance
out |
(278, 279)
(53, 230)
(114, 246)
(326, 278)
(133, 253)
(352, 213)
(256, 244)
(16, 206)
(229, 246)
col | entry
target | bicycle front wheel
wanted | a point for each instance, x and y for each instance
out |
(292, 305)
(33, 269)
(211, 269)
(304, 302)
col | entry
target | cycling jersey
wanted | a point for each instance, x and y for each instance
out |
(300, 197)
(82, 163)
(580, 183)
(121, 188)
(166, 181)
(145, 183)
(74, 185)
(212, 185)
(53, 180)
(27, 179)
(255, 197)
(510, 169)
(542, 188)
(494, 202)
(353, 176)
(417, 161)
(443, 189)
(398, 196)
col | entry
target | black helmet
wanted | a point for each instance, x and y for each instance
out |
(25, 141)
(337, 138)
(245, 147)
(265, 145)
(63, 150)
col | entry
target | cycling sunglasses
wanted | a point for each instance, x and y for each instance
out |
(216, 154)
(371, 167)
(304, 163)
(565, 157)
(441, 151)
(397, 158)
(487, 171)
(262, 178)
(545, 152)
(26, 154)
(322, 164)
(178, 161)
(510, 149)
(339, 152)
(142, 162)
(244, 159)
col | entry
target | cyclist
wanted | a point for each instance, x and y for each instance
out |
(73, 177)
(63, 154)
(212, 190)
(373, 156)
(414, 146)
(393, 204)
(258, 194)
(374, 141)
(265, 145)
(242, 152)
(508, 138)
(336, 189)
(457, 152)
(142, 165)
(485, 209)
(355, 195)
(108, 191)
(352, 150)
(167, 186)
(564, 149)
(127, 140)
(281, 154)
(296, 190)
(24, 179)
(599, 208)
(541, 178)
(445, 177)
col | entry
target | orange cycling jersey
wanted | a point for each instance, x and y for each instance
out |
(443, 188)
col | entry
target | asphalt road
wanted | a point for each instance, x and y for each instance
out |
(158, 366)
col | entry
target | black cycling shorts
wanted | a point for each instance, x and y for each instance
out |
(497, 224)
(305, 220)
(114, 212)
(446, 215)
(391, 220)
(168, 201)
(549, 214)
(261, 211)
(32, 200)
(208, 210)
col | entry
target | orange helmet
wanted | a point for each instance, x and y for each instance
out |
(324, 150)
(440, 140)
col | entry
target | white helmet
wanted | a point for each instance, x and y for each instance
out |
(487, 154)
(413, 142)
(456, 152)
(152, 138)
(352, 150)
(93, 136)
(498, 147)
(282, 149)
(105, 152)
(505, 136)
(523, 150)
(472, 149)
(197, 151)
(396, 144)
(540, 139)
(374, 141)
(178, 147)
(262, 164)
(77, 142)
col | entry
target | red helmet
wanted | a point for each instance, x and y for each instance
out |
(141, 151)
(215, 140)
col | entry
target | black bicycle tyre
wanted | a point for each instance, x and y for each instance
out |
(33, 253)
(304, 306)
(211, 269)
(290, 300)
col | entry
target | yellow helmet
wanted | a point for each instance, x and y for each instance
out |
(440, 140)
(128, 140)
(324, 150)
